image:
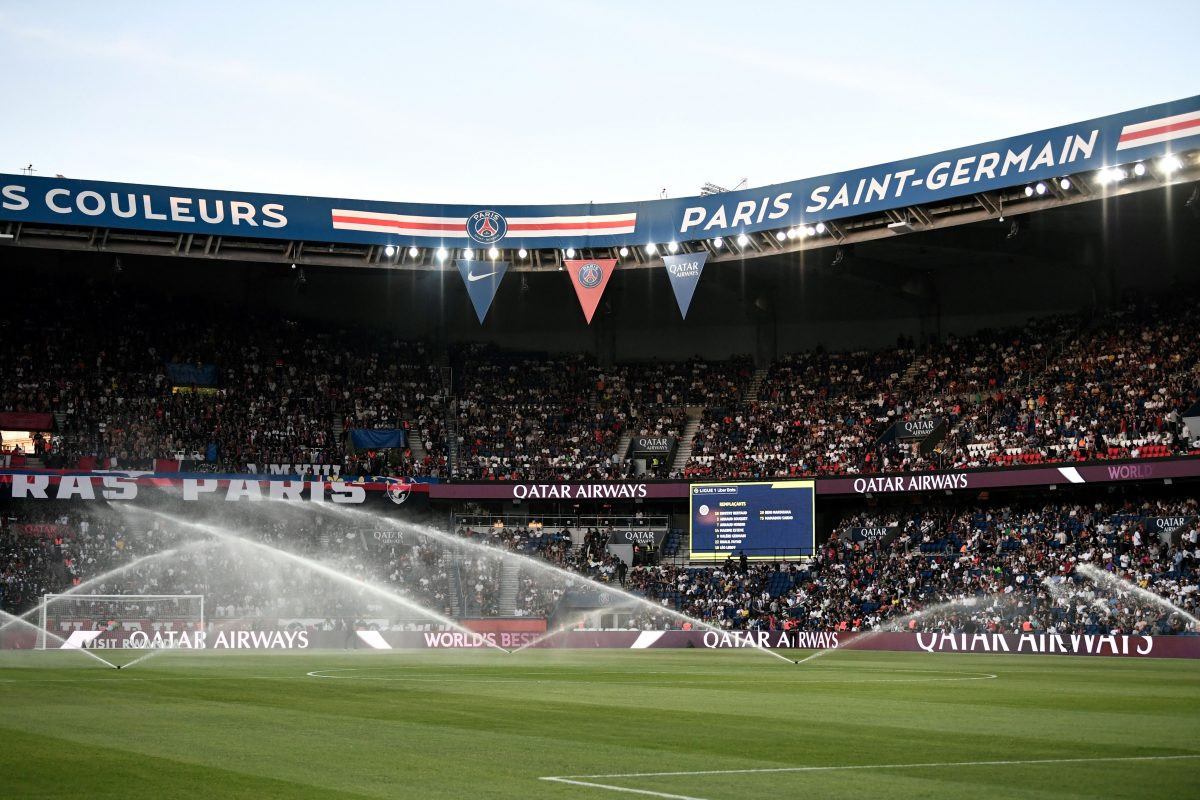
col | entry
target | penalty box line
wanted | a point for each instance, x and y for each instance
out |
(581, 780)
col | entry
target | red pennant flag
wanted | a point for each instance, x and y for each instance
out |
(590, 276)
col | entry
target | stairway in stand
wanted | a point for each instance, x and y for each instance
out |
(455, 599)
(683, 453)
(510, 583)
(756, 382)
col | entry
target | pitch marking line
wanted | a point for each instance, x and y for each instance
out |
(577, 780)
(543, 677)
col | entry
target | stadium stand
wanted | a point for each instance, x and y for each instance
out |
(1002, 567)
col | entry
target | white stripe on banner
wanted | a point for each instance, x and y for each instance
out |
(374, 639)
(646, 639)
(1071, 474)
(1156, 131)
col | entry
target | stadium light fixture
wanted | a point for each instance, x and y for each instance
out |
(820, 228)
(442, 254)
(810, 231)
(1029, 191)
(623, 252)
(792, 234)
(468, 254)
(743, 240)
(673, 248)
(293, 265)
(1139, 169)
(570, 252)
(1170, 163)
(718, 243)
(389, 251)
(1110, 175)
(651, 249)
(780, 235)
(1064, 183)
(1040, 188)
(522, 253)
(413, 252)
(493, 253)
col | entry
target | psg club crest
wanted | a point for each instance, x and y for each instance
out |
(590, 275)
(398, 490)
(486, 227)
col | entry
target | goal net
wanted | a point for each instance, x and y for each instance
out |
(132, 619)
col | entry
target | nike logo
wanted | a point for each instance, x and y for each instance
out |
(474, 278)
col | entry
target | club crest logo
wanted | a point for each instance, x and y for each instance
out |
(398, 490)
(590, 275)
(486, 227)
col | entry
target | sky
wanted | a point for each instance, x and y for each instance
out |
(556, 101)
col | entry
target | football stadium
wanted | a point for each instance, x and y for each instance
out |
(876, 483)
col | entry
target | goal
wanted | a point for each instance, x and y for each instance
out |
(62, 613)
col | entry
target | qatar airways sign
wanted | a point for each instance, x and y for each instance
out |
(557, 491)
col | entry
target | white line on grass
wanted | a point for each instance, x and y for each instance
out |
(543, 677)
(577, 780)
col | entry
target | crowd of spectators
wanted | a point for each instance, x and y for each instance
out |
(205, 388)
(258, 390)
(1057, 390)
(1003, 567)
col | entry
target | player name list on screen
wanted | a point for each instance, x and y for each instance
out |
(760, 520)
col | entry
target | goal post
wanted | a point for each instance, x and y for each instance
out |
(61, 613)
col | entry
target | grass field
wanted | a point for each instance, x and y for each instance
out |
(723, 724)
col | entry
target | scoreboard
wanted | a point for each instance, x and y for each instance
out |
(764, 520)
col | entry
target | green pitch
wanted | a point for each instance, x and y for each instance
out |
(726, 724)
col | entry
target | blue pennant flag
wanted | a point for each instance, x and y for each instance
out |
(684, 270)
(482, 279)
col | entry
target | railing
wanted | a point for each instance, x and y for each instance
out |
(554, 523)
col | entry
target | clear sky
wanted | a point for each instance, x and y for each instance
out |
(556, 100)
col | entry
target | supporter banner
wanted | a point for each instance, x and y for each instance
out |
(684, 271)
(880, 534)
(589, 277)
(558, 491)
(652, 444)
(151, 487)
(642, 536)
(378, 439)
(1102, 472)
(1140, 134)
(26, 421)
(192, 374)
(298, 470)
(482, 279)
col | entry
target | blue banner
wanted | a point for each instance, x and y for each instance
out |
(482, 279)
(377, 439)
(684, 271)
(1124, 138)
(192, 374)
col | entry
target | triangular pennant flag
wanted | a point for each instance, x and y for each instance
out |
(482, 279)
(684, 270)
(590, 276)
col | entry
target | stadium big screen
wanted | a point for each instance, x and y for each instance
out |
(765, 521)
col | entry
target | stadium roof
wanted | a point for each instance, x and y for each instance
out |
(1121, 154)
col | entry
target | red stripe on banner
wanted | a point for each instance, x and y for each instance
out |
(410, 226)
(569, 226)
(1175, 126)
